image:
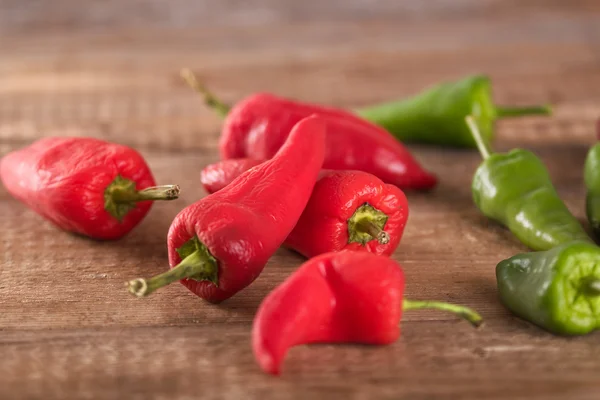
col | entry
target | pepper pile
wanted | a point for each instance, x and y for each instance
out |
(256, 127)
(557, 287)
(347, 210)
(328, 184)
(221, 243)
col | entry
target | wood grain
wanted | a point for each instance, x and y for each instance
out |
(68, 328)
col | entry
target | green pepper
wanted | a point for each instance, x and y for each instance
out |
(557, 289)
(591, 176)
(515, 189)
(436, 115)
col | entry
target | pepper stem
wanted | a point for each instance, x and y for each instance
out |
(367, 226)
(193, 266)
(126, 195)
(483, 150)
(209, 98)
(121, 196)
(464, 312)
(593, 287)
(511, 112)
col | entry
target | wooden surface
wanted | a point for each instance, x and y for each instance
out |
(68, 328)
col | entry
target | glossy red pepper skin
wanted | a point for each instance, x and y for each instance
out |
(63, 179)
(244, 224)
(324, 225)
(344, 297)
(340, 297)
(257, 126)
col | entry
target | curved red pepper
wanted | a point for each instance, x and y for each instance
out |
(83, 185)
(350, 210)
(343, 297)
(220, 244)
(258, 125)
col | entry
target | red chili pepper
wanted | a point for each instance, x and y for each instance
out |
(343, 297)
(215, 177)
(351, 210)
(220, 244)
(257, 126)
(84, 185)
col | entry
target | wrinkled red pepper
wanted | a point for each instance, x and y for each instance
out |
(351, 210)
(343, 297)
(84, 185)
(257, 126)
(220, 244)
(215, 177)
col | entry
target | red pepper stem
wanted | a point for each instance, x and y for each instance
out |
(209, 98)
(510, 112)
(193, 265)
(367, 226)
(124, 195)
(464, 312)
(483, 149)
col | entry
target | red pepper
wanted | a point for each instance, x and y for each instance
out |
(343, 297)
(351, 210)
(84, 185)
(257, 126)
(215, 177)
(220, 244)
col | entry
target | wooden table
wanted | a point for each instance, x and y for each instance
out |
(69, 329)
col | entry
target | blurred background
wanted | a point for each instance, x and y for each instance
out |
(111, 67)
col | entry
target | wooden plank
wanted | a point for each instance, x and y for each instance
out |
(214, 361)
(68, 328)
(162, 113)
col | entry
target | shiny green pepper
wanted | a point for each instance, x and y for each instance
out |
(436, 115)
(515, 189)
(557, 289)
(591, 176)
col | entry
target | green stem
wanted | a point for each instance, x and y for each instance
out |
(191, 266)
(209, 98)
(464, 312)
(125, 195)
(593, 287)
(483, 149)
(366, 226)
(510, 112)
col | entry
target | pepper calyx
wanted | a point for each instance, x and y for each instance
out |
(115, 208)
(210, 272)
(366, 224)
(121, 196)
(573, 297)
(196, 263)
